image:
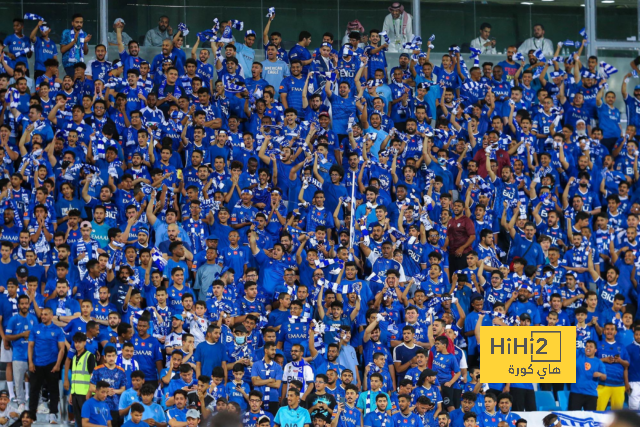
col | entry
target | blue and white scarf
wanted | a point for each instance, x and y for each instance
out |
(72, 52)
(158, 260)
(300, 365)
(240, 351)
(34, 17)
(336, 287)
(328, 262)
(183, 28)
(510, 321)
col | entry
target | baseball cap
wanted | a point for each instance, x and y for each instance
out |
(406, 55)
(85, 224)
(323, 114)
(177, 316)
(22, 271)
(144, 230)
(211, 237)
(4, 393)
(525, 316)
(240, 328)
(193, 413)
(429, 372)
(263, 418)
(118, 20)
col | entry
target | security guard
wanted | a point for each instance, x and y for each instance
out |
(82, 366)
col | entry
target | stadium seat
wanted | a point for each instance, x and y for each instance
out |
(545, 401)
(563, 399)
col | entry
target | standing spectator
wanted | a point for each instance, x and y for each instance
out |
(43, 47)
(129, 59)
(633, 385)
(17, 332)
(274, 39)
(95, 411)
(266, 377)
(609, 117)
(274, 70)
(113, 375)
(156, 36)
(245, 54)
(298, 369)
(112, 36)
(17, 43)
(509, 67)
(398, 25)
(300, 52)
(74, 44)
(589, 370)
(210, 353)
(461, 234)
(82, 366)
(484, 42)
(537, 42)
(147, 352)
(45, 363)
(403, 354)
(616, 360)
(291, 88)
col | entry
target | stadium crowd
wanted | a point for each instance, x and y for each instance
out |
(310, 240)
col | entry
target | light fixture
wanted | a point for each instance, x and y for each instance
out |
(528, 3)
(547, 0)
(608, 1)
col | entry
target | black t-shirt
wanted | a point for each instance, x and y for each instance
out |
(326, 398)
(193, 400)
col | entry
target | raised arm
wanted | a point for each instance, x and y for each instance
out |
(327, 88)
(600, 94)
(487, 160)
(595, 275)
(265, 32)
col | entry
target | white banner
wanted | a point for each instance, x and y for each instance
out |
(569, 418)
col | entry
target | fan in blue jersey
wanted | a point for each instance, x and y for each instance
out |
(405, 417)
